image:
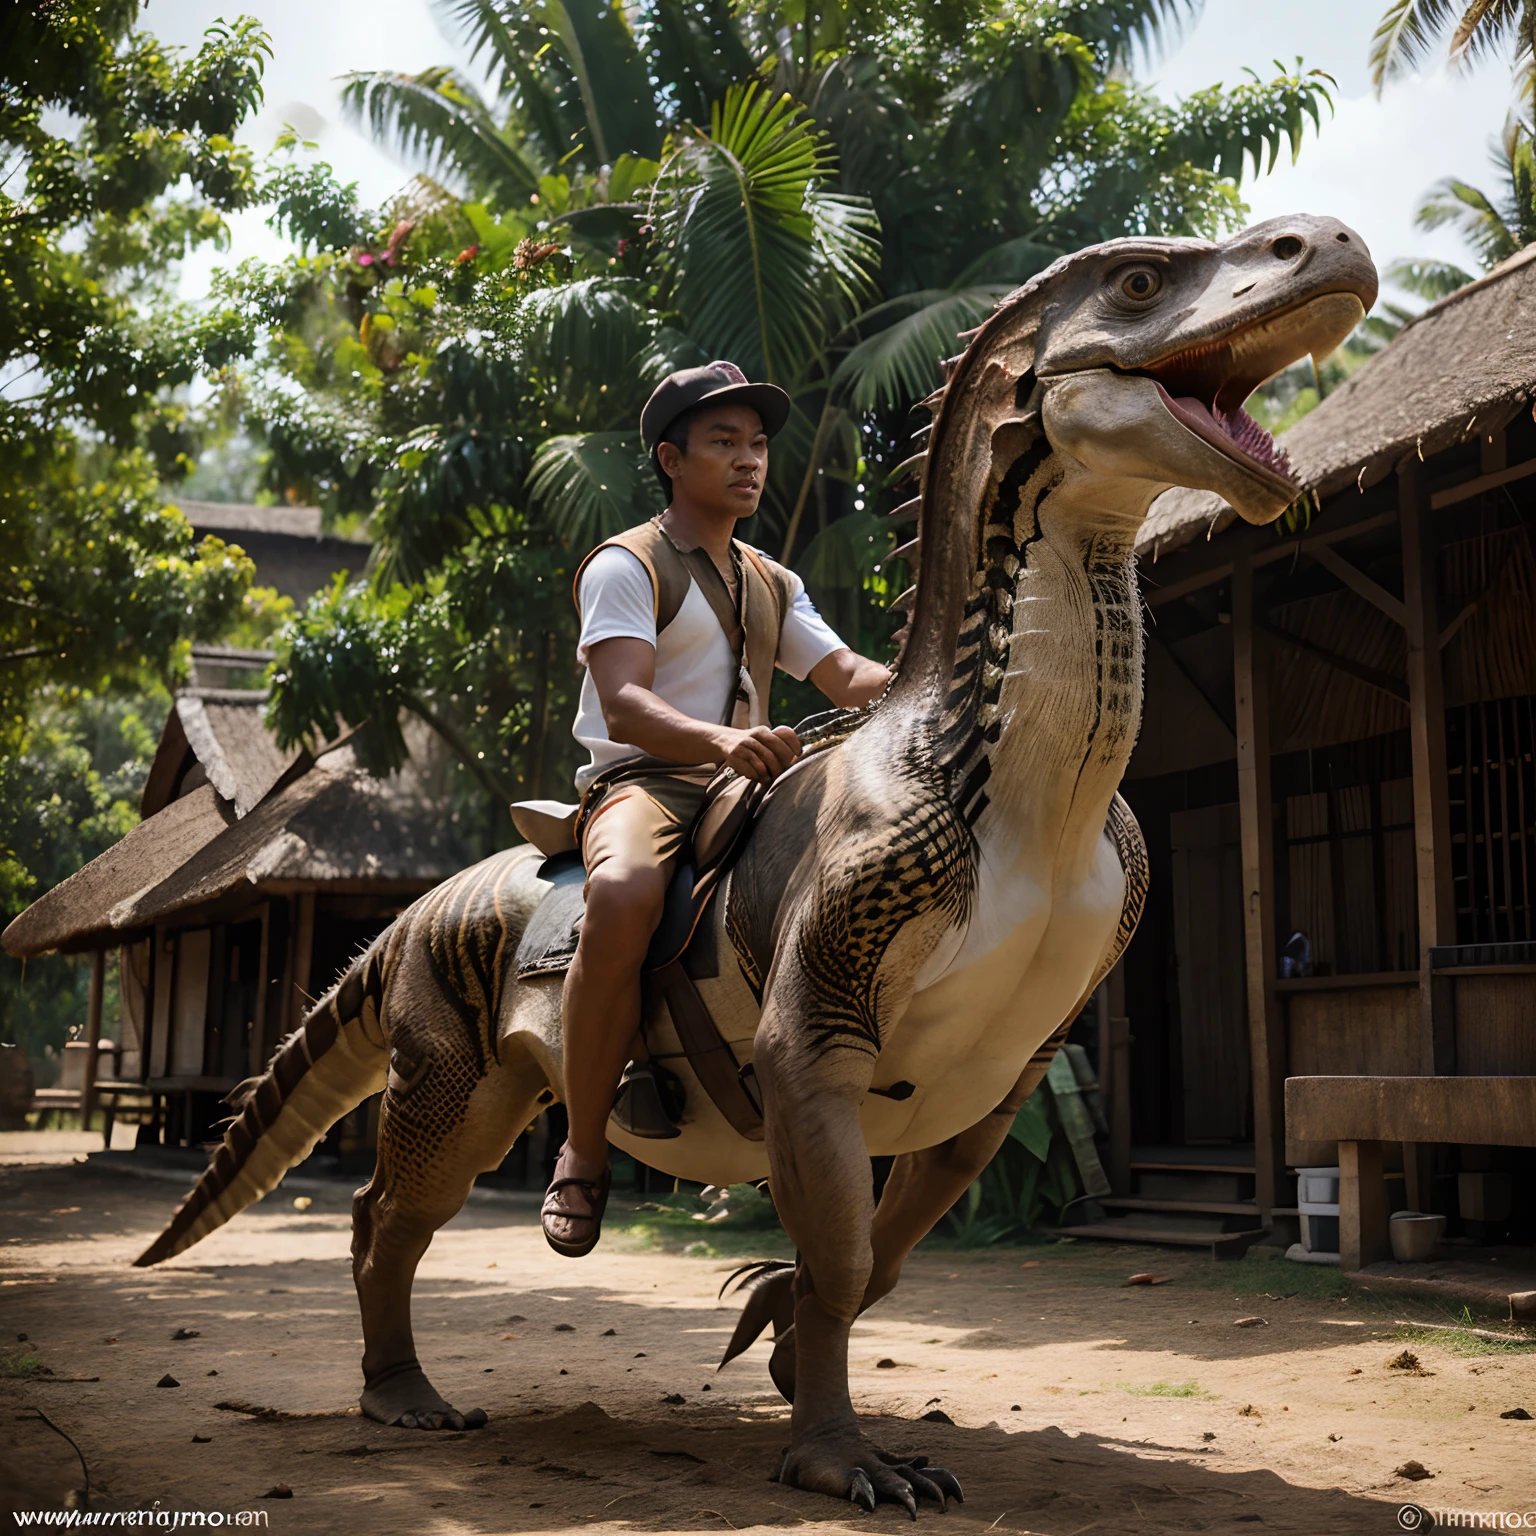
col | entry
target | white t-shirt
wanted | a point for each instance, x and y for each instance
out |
(695, 669)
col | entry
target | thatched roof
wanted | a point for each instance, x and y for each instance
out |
(225, 731)
(1464, 366)
(334, 826)
(240, 517)
(74, 914)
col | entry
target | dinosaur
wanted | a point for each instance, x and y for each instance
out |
(930, 894)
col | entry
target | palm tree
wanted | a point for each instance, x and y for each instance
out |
(986, 141)
(1410, 29)
(1494, 226)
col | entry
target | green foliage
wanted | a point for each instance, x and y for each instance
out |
(69, 789)
(20, 1364)
(1494, 226)
(826, 197)
(1027, 1185)
(1165, 1389)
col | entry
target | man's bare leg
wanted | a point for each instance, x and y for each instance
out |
(601, 1016)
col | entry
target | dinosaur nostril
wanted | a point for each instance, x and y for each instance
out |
(1287, 247)
(1342, 238)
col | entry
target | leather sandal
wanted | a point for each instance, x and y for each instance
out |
(596, 1191)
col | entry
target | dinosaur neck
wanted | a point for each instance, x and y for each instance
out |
(1026, 657)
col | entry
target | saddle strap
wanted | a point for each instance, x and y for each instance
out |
(712, 1060)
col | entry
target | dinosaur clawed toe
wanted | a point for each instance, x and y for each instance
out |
(846, 1466)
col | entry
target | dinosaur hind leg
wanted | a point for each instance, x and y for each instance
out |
(421, 1180)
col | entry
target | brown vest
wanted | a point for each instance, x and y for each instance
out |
(753, 632)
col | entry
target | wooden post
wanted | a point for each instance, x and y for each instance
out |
(303, 954)
(1120, 1080)
(256, 1046)
(1266, 1029)
(1431, 801)
(1363, 1234)
(92, 1036)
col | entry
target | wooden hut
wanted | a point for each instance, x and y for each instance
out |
(252, 879)
(1335, 778)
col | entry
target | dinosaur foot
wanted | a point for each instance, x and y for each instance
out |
(405, 1397)
(845, 1465)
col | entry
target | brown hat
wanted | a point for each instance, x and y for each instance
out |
(719, 381)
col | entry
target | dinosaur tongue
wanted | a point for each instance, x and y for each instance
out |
(1239, 431)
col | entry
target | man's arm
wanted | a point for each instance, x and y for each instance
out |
(851, 681)
(624, 673)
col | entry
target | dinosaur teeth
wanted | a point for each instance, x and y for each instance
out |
(1223, 430)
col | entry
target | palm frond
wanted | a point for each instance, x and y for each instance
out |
(1486, 27)
(763, 264)
(583, 338)
(1429, 280)
(900, 362)
(437, 119)
(1404, 36)
(593, 485)
(1474, 216)
(604, 56)
(1013, 262)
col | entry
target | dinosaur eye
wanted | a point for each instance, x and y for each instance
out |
(1139, 283)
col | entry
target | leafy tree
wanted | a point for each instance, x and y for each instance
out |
(989, 137)
(97, 580)
(119, 157)
(829, 197)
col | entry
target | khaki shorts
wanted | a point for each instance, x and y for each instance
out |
(643, 822)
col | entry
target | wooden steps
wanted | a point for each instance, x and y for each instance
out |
(1221, 1245)
(1181, 1207)
(1191, 1168)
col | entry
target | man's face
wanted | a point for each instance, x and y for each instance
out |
(726, 463)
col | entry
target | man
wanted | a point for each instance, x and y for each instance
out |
(681, 626)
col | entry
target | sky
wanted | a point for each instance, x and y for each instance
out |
(1370, 166)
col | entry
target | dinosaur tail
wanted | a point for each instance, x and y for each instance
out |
(334, 1060)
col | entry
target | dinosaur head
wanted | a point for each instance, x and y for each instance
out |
(1146, 350)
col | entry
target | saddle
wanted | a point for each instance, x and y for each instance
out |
(682, 948)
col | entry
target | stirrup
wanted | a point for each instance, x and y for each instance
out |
(596, 1191)
(649, 1101)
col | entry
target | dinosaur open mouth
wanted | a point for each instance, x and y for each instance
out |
(1204, 386)
(1236, 434)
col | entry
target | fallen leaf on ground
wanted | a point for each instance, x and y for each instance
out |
(302, 1202)
(886, 1364)
(1147, 1279)
(1251, 1322)
(1408, 1363)
(1414, 1471)
(185, 1333)
(1514, 1413)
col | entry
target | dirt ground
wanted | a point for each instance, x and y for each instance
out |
(1078, 1404)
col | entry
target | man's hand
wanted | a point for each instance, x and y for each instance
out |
(760, 753)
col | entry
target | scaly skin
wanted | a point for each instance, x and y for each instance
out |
(929, 897)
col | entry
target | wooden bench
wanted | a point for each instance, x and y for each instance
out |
(1361, 1113)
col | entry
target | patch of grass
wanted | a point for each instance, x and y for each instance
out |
(21, 1364)
(1165, 1389)
(742, 1223)
(1463, 1341)
(1268, 1274)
